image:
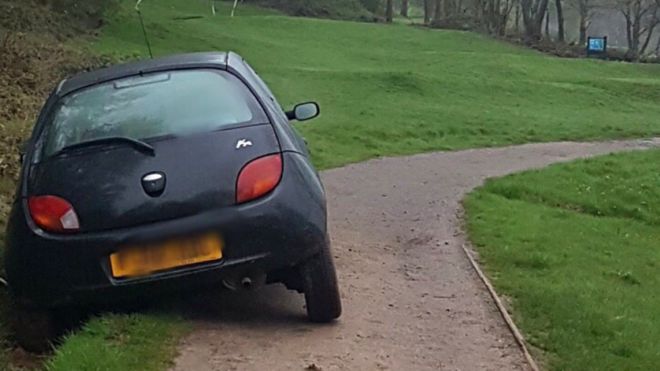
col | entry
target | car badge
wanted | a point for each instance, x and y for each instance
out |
(154, 184)
(243, 143)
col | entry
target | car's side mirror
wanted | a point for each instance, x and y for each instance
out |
(304, 111)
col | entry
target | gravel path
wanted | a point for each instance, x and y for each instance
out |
(411, 299)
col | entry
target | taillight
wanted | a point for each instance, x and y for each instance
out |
(258, 178)
(53, 214)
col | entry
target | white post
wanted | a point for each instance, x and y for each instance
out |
(213, 7)
(234, 8)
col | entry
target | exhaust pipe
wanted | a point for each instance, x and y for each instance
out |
(245, 283)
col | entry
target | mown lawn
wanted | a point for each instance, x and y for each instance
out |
(576, 247)
(391, 90)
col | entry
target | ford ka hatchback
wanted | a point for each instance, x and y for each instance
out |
(160, 175)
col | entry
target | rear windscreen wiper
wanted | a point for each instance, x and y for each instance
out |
(139, 145)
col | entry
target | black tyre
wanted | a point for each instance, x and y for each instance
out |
(321, 289)
(34, 329)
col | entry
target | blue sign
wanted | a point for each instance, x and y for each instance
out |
(597, 44)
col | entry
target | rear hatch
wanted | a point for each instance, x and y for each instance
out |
(104, 185)
(197, 127)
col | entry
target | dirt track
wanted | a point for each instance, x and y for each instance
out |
(411, 299)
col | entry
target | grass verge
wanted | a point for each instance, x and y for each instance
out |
(575, 248)
(120, 342)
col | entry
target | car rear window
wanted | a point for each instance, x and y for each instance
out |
(152, 105)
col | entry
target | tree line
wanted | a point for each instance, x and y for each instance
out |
(528, 17)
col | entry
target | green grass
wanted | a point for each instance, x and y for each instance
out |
(397, 89)
(120, 342)
(575, 247)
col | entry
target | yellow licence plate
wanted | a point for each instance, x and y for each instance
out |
(144, 260)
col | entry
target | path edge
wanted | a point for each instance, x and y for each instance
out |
(515, 331)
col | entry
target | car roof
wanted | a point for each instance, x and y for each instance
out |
(218, 60)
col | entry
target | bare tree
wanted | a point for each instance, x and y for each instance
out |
(389, 11)
(533, 12)
(427, 11)
(547, 24)
(493, 15)
(561, 34)
(586, 10)
(642, 17)
(437, 15)
(405, 5)
(449, 8)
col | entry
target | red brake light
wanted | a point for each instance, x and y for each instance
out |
(53, 214)
(258, 178)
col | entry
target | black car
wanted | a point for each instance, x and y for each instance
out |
(163, 174)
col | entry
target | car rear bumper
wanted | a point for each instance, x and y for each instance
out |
(270, 234)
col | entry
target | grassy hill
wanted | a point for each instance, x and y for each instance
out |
(384, 90)
(396, 89)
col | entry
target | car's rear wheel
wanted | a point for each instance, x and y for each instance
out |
(37, 329)
(34, 329)
(321, 288)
